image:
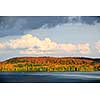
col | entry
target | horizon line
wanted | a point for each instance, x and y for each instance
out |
(51, 56)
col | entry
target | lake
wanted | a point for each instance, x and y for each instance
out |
(49, 77)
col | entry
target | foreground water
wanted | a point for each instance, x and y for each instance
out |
(50, 77)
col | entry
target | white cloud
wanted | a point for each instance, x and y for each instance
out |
(28, 41)
(35, 51)
(97, 45)
(47, 44)
(84, 48)
(2, 45)
(68, 47)
(25, 41)
(34, 45)
(30, 52)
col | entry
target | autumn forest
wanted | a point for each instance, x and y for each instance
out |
(50, 64)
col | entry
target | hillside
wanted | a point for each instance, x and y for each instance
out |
(41, 64)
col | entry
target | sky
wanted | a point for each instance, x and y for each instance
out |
(59, 36)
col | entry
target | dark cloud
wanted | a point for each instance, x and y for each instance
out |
(18, 25)
(90, 19)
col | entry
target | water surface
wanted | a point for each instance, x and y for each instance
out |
(50, 77)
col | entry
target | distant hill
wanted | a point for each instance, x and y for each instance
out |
(52, 60)
(50, 64)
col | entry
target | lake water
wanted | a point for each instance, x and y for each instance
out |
(49, 77)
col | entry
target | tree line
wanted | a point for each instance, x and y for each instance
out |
(49, 64)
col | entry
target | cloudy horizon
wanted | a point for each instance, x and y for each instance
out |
(49, 36)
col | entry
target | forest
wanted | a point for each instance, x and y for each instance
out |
(50, 64)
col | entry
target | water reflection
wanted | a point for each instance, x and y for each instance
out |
(50, 77)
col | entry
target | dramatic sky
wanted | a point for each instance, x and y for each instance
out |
(49, 36)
